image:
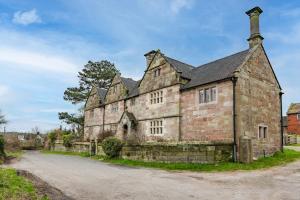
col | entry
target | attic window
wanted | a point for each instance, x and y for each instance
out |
(156, 72)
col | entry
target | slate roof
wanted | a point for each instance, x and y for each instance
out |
(102, 92)
(129, 83)
(294, 108)
(217, 70)
(180, 67)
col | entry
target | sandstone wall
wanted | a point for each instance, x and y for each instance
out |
(258, 103)
(209, 121)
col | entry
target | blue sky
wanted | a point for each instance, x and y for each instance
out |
(43, 44)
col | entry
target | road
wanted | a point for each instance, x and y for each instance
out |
(84, 178)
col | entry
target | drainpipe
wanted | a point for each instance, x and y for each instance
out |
(281, 121)
(234, 153)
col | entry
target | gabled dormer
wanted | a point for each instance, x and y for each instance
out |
(96, 98)
(162, 71)
(119, 89)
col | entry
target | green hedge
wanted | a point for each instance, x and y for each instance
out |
(112, 147)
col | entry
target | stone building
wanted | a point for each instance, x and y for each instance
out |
(221, 101)
(293, 115)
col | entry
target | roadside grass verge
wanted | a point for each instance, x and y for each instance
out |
(14, 187)
(294, 145)
(279, 158)
(14, 154)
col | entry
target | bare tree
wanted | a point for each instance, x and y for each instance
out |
(35, 130)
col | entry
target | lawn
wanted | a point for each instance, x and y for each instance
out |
(14, 187)
(278, 159)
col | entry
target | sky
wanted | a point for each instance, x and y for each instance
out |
(43, 45)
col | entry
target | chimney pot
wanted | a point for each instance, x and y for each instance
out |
(255, 37)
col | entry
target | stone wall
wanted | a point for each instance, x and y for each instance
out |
(189, 153)
(76, 147)
(209, 121)
(258, 103)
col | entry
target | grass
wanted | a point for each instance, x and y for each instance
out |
(277, 159)
(14, 187)
(294, 145)
(15, 154)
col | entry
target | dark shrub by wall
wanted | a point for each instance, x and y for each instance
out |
(112, 146)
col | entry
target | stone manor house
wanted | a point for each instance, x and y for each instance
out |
(221, 101)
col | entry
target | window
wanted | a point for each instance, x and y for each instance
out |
(156, 127)
(156, 97)
(132, 101)
(262, 131)
(156, 72)
(208, 95)
(114, 107)
(298, 117)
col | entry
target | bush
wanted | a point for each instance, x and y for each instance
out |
(67, 140)
(2, 153)
(112, 147)
(52, 136)
(105, 134)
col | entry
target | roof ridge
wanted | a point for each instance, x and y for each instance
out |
(203, 65)
(180, 61)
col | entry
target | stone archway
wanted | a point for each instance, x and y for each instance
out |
(127, 126)
(125, 132)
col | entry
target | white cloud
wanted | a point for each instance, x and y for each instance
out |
(6, 95)
(31, 60)
(177, 5)
(26, 17)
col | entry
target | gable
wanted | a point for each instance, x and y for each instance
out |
(258, 66)
(93, 100)
(117, 90)
(167, 74)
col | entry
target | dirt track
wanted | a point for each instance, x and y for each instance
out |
(83, 178)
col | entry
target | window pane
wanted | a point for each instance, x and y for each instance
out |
(201, 96)
(213, 94)
(265, 132)
(207, 95)
(161, 130)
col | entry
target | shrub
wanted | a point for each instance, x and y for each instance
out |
(2, 153)
(52, 136)
(105, 134)
(112, 147)
(67, 140)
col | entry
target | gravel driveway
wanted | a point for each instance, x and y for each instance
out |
(83, 178)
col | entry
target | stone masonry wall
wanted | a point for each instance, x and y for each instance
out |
(209, 121)
(188, 153)
(258, 103)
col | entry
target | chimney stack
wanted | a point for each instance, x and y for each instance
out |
(255, 37)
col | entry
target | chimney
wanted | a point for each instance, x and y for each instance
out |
(149, 56)
(255, 37)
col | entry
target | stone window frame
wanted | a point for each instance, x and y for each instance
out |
(203, 99)
(157, 97)
(298, 116)
(265, 129)
(156, 72)
(114, 107)
(156, 127)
